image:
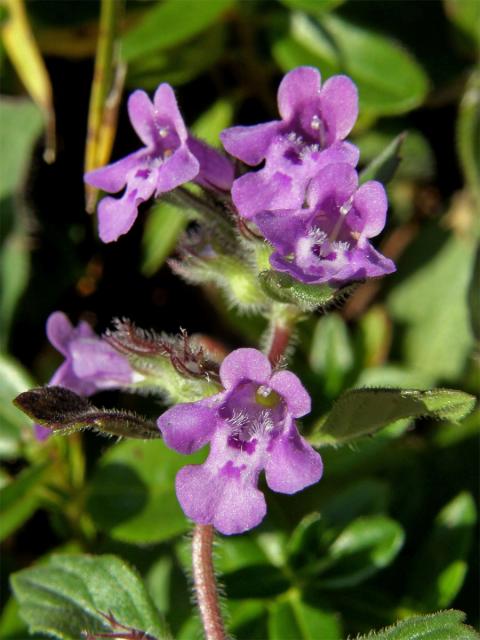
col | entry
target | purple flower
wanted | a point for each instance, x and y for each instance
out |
(91, 364)
(315, 120)
(328, 241)
(250, 427)
(169, 158)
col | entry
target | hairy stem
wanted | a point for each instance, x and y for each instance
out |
(279, 344)
(205, 583)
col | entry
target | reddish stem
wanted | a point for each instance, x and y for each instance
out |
(205, 583)
(279, 344)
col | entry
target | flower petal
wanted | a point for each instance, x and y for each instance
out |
(187, 427)
(339, 106)
(281, 228)
(215, 169)
(335, 182)
(293, 464)
(65, 376)
(141, 114)
(288, 385)
(166, 108)
(265, 191)
(371, 205)
(41, 433)
(180, 167)
(245, 365)
(94, 359)
(298, 88)
(59, 331)
(250, 144)
(224, 500)
(113, 177)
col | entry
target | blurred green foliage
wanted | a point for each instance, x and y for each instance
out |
(387, 534)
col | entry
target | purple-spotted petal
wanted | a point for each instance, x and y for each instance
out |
(300, 87)
(215, 169)
(179, 168)
(142, 117)
(245, 365)
(250, 144)
(94, 359)
(288, 385)
(114, 176)
(293, 464)
(224, 500)
(187, 427)
(166, 108)
(59, 331)
(339, 105)
(371, 204)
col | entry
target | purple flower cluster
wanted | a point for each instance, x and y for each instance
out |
(91, 364)
(250, 427)
(305, 199)
(169, 158)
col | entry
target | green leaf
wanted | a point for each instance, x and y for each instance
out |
(298, 620)
(331, 353)
(443, 625)
(384, 166)
(69, 594)
(308, 297)
(468, 133)
(164, 225)
(20, 499)
(465, 15)
(312, 6)
(65, 412)
(365, 546)
(213, 121)
(132, 492)
(389, 79)
(13, 380)
(20, 127)
(431, 303)
(361, 412)
(161, 27)
(440, 566)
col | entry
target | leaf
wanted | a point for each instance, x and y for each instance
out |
(13, 380)
(161, 27)
(440, 566)
(431, 303)
(361, 412)
(468, 133)
(65, 412)
(297, 619)
(384, 166)
(20, 126)
(365, 546)
(389, 79)
(132, 492)
(308, 297)
(465, 15)
(20, 498)
(443, 625)
(164, 225)
(213, 121)
(312, 6)
(23, 51)
(72, 594)
(331, 353)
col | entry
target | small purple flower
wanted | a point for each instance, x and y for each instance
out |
(328, 241)
(91, 364)
(250, 427)
(169, 158)
(315, 121)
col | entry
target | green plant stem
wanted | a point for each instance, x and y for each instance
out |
(205, 583)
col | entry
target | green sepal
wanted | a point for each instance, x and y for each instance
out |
(308, 297)
(64, 412)
(362, 412)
